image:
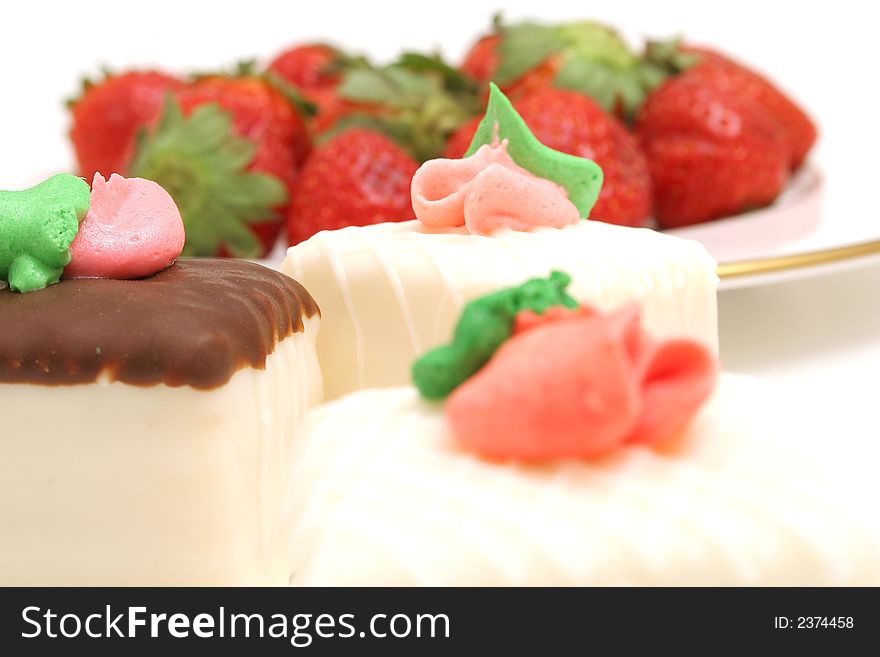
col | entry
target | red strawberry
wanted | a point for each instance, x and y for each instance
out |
(317, 71)
(461, 139)
(309, 67)
(108, 115)
(581, 56)
(712, 152)
(356, 178)
(482, 59)
(228, 152)
(572, 123)
(718, 71)
(260, 113)
(797, 128)
(334, 110)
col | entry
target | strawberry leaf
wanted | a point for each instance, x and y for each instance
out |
(452, 79)
(668, 56)
(525, 46)
(590, 78)
(292, 94)
(203, 164)
(390, 87)
(409, 101)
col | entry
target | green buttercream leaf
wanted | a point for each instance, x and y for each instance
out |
(581, 177)
(203, 164)
(37, 227)
(485, 324)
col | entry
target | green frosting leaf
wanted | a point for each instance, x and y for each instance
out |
(581, 177)
(485, 324)
(37, 227)
(203, 164)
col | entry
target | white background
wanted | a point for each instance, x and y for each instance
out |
(818, 336)
(824, 53)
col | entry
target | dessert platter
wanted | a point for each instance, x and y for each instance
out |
(500, 391)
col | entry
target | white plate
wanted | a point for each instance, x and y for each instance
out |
(795, 237)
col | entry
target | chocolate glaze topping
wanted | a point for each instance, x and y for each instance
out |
(195, 323)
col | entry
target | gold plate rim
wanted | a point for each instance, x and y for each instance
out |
(741, 268)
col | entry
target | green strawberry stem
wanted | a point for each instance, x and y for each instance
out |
(593, 60)
(203, 165)
(418, 102)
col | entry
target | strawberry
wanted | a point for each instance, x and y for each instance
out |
(717, 70)
(317, 71)
(573, 123)
(482, 59)
(228, 149)
(261, 113)
(461, 139)
(108, 115)
(583, 56)
(357, 177)
(310, 68)
(712, 152)
(797, 128)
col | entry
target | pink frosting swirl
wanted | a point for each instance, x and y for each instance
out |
(579, 384)
(132, 229)
(486, 192)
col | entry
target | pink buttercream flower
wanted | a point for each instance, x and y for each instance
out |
(486, 192)
(132, 229)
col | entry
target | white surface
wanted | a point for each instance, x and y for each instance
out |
(131, 485)
(386, 497)
(390, 292)
(819, 336)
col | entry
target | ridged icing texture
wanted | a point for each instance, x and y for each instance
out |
(751, 495)
(486, 192)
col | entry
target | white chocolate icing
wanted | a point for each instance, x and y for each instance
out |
(390, 291)
(114, 484)
(749, 496)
